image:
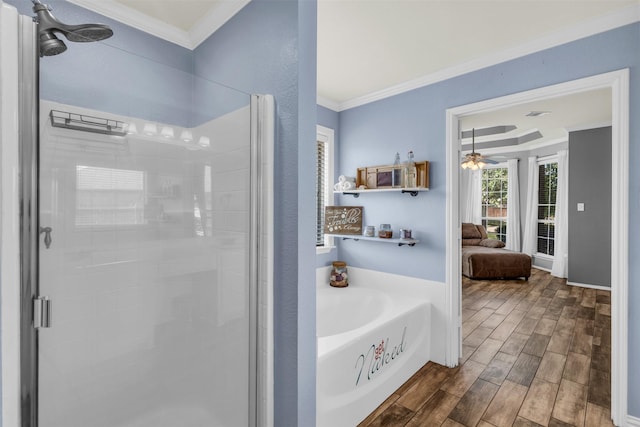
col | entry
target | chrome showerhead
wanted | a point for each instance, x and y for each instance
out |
(88, 32)
(51, 45)
(48, 25)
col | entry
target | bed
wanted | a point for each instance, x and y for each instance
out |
(484, 258)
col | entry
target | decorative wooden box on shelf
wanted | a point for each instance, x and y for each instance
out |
(399, 242)
(378, 177)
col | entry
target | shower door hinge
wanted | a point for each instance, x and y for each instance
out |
(41, 312)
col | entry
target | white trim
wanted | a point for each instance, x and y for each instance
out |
(321, 250)
(9, 216)
(610, 21)
(213, 20)
(453, 294)
(548, 270)
(327, 135)
(543, 256)
(586, 285)
(327, 103)
(137, 20)
(633, 421)
(545, 160)
(620, 245)
(206, 26)
(618, 82)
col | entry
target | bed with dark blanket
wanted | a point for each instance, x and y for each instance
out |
(484, 258)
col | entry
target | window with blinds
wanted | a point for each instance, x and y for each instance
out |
(322, 183)
(547, 188)
(109, 197)
(494, 202)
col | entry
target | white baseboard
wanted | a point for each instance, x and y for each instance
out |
(633, 421)
(586, 285)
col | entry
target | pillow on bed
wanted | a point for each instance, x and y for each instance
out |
(470, 231)
(492, 243)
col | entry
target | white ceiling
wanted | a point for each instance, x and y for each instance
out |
(183, 14)
(365, 47)
(184, 22)
(370, 49)
(567, 113)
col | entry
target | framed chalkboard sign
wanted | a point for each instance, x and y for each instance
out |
(343, 220)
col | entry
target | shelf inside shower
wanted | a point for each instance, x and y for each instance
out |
(85, 123)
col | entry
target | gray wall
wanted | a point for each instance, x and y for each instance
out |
(590, 230)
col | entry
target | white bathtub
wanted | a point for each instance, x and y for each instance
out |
(371, 338)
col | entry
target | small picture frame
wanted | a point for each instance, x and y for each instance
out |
(343, 220)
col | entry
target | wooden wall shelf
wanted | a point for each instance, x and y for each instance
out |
(399, 242)
(356, 193)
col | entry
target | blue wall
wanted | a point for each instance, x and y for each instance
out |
(330, 119)
(415, 120)
(263, 49)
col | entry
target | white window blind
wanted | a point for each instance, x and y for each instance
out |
(109, 197)
(321, 189)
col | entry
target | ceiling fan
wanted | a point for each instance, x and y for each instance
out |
(475, 160)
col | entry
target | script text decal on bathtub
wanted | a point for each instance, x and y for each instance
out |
(378, 357)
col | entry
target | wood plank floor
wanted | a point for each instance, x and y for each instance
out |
(535, 353)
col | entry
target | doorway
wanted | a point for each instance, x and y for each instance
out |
(618, 82)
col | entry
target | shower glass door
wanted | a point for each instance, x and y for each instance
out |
(144, 250)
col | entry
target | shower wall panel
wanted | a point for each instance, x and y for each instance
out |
(147, 270)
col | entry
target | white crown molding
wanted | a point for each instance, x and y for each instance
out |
(136, 19)
(214, 19)
(622, 17)
(206, 26)
(327, 103)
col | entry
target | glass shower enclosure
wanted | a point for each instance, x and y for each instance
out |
(147, 235)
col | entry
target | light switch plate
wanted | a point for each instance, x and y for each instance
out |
(580, 207)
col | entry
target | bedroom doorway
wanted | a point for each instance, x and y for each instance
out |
(618, 84)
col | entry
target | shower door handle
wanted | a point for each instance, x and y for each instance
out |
(47, 236)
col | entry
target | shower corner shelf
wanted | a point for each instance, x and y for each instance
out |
(413, 191)
(82, 122)
(399, 242)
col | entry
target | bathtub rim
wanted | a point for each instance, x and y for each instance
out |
(329, 344)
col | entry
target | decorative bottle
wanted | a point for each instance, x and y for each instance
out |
(410, 172)
(396, 177)
(338, 278)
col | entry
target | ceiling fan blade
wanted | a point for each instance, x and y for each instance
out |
(490, 161)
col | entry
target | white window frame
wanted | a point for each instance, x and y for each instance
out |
(326, 136)
(544, 161)
(501, 165)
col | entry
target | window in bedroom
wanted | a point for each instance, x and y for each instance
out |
(494, 202)
(324, 185)
(547, 187)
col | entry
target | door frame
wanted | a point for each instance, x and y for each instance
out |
(618, 82)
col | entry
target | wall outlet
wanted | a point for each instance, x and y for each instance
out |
(580, 207)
